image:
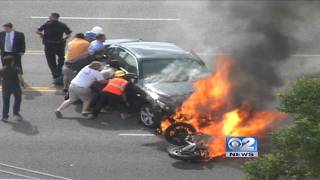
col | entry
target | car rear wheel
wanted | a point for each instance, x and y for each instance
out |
(148, 116)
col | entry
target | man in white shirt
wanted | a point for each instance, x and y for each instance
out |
(80, 88)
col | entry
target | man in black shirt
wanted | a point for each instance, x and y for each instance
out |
(11, 79)
(52, 33)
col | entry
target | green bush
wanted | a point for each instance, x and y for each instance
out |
(296, 149)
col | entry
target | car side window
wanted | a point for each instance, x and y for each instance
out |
(130, 64)
(114, 53)
(126, 60)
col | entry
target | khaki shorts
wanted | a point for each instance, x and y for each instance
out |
(68, 73)
(79, 93)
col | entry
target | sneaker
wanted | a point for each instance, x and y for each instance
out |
(85, 113)
(58, 81)
(124, 116)
(18, 116)
(58, 114)
(105, 110)
(5, 119)
(66, 97)
(91, 117)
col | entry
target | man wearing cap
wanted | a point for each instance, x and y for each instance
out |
(97, 45)
(115, 90)
(12, 43)
(90, 36)
(54, 42)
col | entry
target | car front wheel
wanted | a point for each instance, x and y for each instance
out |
(149, 117)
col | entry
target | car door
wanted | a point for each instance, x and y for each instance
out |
(129, 64)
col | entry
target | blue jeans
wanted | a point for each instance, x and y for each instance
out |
(6, 94)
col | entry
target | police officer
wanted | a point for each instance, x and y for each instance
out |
(54, 42)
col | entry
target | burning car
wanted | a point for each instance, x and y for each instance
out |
(163, 74)
(212, 111)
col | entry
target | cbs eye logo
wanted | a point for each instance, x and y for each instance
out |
(242, 143)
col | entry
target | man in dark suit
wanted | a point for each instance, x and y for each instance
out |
(12, 43)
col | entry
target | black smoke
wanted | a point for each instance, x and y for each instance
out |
(267, 42)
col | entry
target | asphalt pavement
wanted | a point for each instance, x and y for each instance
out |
(112, 148)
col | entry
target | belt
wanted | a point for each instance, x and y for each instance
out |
(77, 86)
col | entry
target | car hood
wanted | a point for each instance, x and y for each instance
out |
(171, 89)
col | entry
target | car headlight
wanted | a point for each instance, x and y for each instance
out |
(161, 104)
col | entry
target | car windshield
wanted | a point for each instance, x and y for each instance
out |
(171, 70)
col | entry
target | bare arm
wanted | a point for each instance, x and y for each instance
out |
(40, 34)
(67, 37)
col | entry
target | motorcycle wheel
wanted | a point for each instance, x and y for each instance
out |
(176, 133)
(176, 153)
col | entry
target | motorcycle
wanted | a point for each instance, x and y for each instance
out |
(186, 143)
(193, 151)
(177, 132)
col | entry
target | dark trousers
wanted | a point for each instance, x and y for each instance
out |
(105, 99)
(6, 94)
(53, 51)
(17, 59)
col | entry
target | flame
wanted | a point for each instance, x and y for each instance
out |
(165, 124)
(211, 110)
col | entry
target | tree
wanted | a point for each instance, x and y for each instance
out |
(296, 149)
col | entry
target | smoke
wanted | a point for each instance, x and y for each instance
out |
(260, 36)
(267, 42)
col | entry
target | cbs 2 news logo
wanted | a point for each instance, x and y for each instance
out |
(241, 146)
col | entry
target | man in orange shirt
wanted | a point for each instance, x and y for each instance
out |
(77, 46)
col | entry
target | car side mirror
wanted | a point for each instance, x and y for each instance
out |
(133, 77)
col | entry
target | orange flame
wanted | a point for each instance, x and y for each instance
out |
(211, 111)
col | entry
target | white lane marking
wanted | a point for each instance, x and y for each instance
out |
(17, 174)
(33, 171)
(137, 135)
(112, 19)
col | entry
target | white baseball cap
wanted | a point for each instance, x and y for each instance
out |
(97, 30)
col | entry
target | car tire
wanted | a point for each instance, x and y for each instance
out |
(149, 117)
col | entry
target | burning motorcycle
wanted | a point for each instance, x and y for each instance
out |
(176, 132)
(187, 144)
(193, 151)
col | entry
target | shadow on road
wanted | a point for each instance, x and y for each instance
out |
(160, 145)
(218, 162)
(31, 95)
(109, 121)
(24, 127)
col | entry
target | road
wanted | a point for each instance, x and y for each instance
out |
(110, 147)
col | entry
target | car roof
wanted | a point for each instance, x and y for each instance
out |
(109, 42)
(153, 50)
